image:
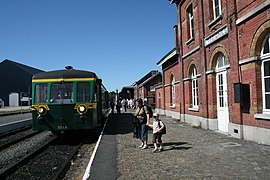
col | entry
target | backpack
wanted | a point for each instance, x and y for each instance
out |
(149, 108)
(163, 131)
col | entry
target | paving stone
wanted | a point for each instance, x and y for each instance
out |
(191, 153)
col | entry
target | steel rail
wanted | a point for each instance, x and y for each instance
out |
(66, 165)
(8, 171)
(12, 132)
(4, 146)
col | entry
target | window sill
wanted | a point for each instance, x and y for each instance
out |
(262, 116)
(190, 41)
(193, 109)
(172, 106)
(215, 21)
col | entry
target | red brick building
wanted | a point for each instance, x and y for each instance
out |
(218, 74)
(145, 87)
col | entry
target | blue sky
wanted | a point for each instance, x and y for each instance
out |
(119, 40)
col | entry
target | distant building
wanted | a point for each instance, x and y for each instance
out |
(127, 92)
(145, 87)
(15, 78)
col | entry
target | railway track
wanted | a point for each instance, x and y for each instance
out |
(48, 160)
(14, 137)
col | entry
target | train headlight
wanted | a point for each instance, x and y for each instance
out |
(42, 110)
(82, 109)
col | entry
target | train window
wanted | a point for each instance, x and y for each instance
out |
(83, 92)
(41, 94)
(62, 93)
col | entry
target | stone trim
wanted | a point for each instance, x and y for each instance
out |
(262, 117)
(252, 12)
(218, 34)
(249, 60)
(191, 52)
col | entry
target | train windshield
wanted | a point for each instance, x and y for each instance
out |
(62, 93)
(83, 92)
(41, 94)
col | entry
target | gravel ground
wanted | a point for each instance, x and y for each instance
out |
(18, 151)
(78, 167)
(16, 136)
(46, 164)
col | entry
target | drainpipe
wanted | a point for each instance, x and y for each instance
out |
(238, 58)
(205, 66)
(180, 62)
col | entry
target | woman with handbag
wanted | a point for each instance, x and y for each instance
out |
(144, 119)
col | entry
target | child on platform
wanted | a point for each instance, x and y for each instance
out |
(157, 127)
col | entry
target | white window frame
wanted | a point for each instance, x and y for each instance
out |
(172, 91)
(221, 62)
(152, 88)
(218, 7)
(265, 57)
(194, 88)
(191, 21)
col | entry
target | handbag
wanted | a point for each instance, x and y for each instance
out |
(142, 120)
(135, 120)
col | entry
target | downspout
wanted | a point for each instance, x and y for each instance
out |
(205, 66)
(180, 62)
(237, 42)
(238, 58)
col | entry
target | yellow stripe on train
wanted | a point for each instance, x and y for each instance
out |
(64, 79)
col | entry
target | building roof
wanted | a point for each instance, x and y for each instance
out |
(167, 57)
(147, 76)
(151, 78)
(27, 69)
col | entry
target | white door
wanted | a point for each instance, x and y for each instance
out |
(222, 101)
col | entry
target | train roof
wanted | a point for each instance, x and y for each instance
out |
(65, 74)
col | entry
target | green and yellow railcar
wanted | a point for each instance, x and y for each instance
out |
(69, 99)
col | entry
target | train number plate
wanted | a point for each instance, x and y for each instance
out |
(61, 127)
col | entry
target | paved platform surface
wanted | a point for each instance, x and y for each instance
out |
(14, 108)
(14, 117)
(189, 153)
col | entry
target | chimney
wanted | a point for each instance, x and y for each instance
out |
(175, 30)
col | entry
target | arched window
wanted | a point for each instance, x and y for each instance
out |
(172, 90)
(194, 88)
(221, 62)
(265, 71)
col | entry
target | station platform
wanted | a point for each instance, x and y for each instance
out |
(189, 153)
(14, 108)
(14, 117)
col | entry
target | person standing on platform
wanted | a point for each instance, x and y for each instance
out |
(112, 104)
(118, 107)
(144, 119)
(124, 104)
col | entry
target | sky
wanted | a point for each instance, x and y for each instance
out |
(121, 41)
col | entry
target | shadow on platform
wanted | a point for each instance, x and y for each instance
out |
(119, 124)
(174, 146)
